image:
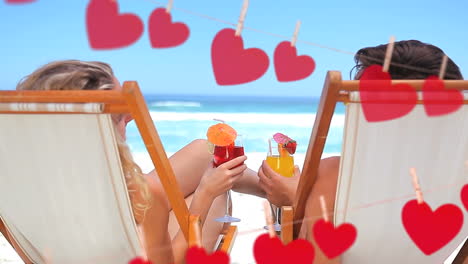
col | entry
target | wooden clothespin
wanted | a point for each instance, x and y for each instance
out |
(269, 219)
(240, 23)
(296, 32)
(416, 186)
(388, 54)
(169, 6)
(324, 208)
(443, 67)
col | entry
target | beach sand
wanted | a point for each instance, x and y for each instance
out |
(246, 207)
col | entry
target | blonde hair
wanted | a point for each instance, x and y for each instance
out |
(81, 75)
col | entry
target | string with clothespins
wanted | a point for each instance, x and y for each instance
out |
(309, 43)
(240, 23)
(269, 219)
(296, 33)
(416, 186)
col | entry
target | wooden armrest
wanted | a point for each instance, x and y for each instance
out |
(287, 215)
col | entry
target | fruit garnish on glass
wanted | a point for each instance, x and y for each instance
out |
(285, 142)
(280, 155)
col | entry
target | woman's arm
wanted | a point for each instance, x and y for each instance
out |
(215, 182)
(153, 222)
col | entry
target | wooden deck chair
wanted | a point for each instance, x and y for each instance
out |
(374, 182)
(63, 192)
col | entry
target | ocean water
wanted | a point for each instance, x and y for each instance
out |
(181, 119)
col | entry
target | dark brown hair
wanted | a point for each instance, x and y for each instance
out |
(411, 59)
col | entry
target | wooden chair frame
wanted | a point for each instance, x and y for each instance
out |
(335, 90)
(129, 100)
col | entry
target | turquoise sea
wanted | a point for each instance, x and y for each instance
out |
(181, 119)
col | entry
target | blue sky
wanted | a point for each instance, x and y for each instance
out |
(46, 30)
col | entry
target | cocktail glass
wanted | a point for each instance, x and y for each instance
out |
(224, 154)
(279, 159)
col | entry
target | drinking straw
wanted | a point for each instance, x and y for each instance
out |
(219, 120)
(270, 152)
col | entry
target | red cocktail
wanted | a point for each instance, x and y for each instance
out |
(224, 154)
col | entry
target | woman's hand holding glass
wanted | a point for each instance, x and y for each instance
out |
(277, 178)
(219, 180)
(279, 190)
(227, 154)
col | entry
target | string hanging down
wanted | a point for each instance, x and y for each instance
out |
(240, 23)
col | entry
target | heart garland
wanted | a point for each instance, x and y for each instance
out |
(107, 29)
(464, 196)
(139, 260)
(333, 241)
(19, 1)
(197, 255)
(431, 230)
(232, 64)
(165, 34)
(290, 67)
(439, 101)
(269, 250)
(382, 101)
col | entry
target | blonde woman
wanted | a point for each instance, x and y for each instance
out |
(203, 186)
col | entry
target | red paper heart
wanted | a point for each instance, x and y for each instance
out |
(196, 255)
(107, 29)
(431, 230)
(290, 67)
(232, 64)
(464, 196)
(382, 101)
(272, 251)
(437, 100)
(139, 260)
(163, 33)
(19, 1)
(334, 241)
